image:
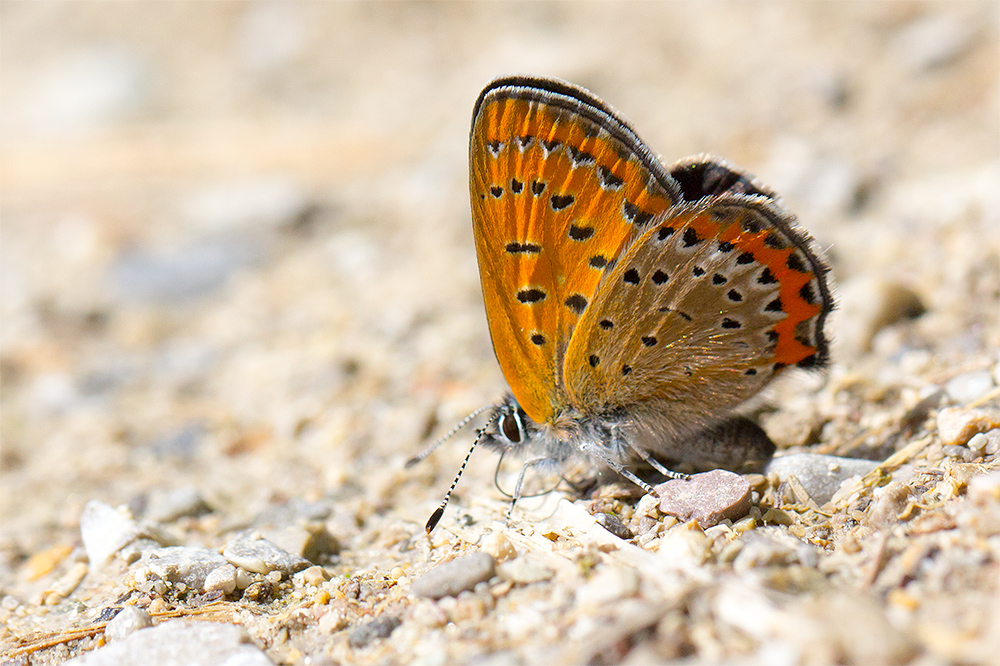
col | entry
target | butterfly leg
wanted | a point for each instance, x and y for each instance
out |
(596, 451)
(654, 463)
(519, 485)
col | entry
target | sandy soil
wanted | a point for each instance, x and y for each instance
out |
(237, 258)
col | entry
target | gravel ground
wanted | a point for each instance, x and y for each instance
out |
(239, 291)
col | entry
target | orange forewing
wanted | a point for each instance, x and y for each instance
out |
(524, 152)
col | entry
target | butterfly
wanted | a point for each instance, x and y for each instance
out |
(632, 306)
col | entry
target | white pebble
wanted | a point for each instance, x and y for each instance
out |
(128, 620)
(221, 579)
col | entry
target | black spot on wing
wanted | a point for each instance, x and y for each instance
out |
(690, 237)
(766, 276)
(598, 261)
(807, 294)
(608, 180)
(636, 215)
(561, 201)
(523, 248)
(530, 295)
(775, 241)
(664, 233)
(796, 264)
(579, 157)
(577, 303)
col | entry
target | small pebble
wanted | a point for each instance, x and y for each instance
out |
(773, 547)
(707, 498)
(184, 564)
(313, 543)
(992, 442)
(262, 556)
(932, 40)
(314, 576)
(524, 570)
(613, 524)
(820, 475)
(957, 425)
(978, 443)
(180, 503)
(985, 488)
(458, 575)
(105, 530)
(258, 592)
(221, 579)
(186, 642)
(243, 578)
(607, 585)
(499, 546)
(127, 621)
(684, 545)
(888, 503)
(380, 627)
(969, 386)
(332, 620)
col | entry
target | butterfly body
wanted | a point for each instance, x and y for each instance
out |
(631, 305)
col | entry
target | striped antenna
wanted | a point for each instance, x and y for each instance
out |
(439, 512)
(451, 433)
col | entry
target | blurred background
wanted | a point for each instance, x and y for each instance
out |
(236, 249)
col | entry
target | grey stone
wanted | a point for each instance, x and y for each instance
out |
(380, 627)
(773, 547)
(180, 643)
(932, 40)
(458, 575)
(183, 273)
(613, 524)
(129, 620)
(820, 475)
(969, 386)
(261, 556)
(89, 88)
(182, 442)
(524, 570)
(179, 503)
(105, 530)
(183, 564)
(313, 542)
(992, 442)
(258, 203)
(707, 498)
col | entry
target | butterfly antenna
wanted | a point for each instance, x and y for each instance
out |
(439, 512)
(451, 433)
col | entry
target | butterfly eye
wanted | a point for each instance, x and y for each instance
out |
(510, 426)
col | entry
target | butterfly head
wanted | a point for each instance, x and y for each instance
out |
(510, 429)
